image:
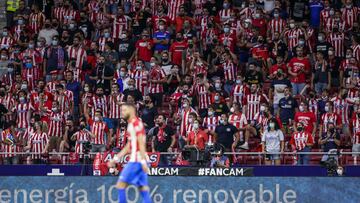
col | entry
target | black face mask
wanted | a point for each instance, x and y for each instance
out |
(179, 39)
(47, 25)
(123, 125)
(279, 75)
(299, 128)
(82, 126)
(100, 94)
(185, 91)
(331, 130)
(2, 94)
(344, 96)
(164, 59)
(311, 96)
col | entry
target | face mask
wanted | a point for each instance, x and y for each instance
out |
(262, 108)
(320, 38)
(216, 98)
(327, 109)
(340, 171)
(221, 121)
(331, 130)
(97, 119)
(226, 30)
(331, 12)
(251, 5)
(210, 113)
(28, 65)
(232, 110)
(196, 126)
(246, 25)
(348, 56)
(4, 34)
(22, 99)
(190, 120)
(138, 67)
(161, 27)
(24, 86)
(257, 15)
(349, 6)
(106, 35)
(301, 42)
(217, 85)
(122, 74)
(179, 39)
(226, 5)
(111, 170)
(3, 57)
(292, 25)
(55, 42)
(20, 22)
(10, 70)
(185, 105)
(272, 125)
(330, 53)
(86, 89)
(39, 44)
(152, 64)
(301, 108)
(31, 46)
(276, 15)
(299, 128)
(131, 87)
(54, 109)
(344, 96)
(71, 26)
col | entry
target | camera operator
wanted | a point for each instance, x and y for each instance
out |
(219, 160)
(329, 140)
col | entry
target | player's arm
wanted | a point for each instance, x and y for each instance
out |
(117, 156)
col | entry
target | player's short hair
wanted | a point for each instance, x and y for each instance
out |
(127, 104)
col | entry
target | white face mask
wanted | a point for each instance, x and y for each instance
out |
(238, 81)
(216, 98)
(152, 64)
(196, 126)
(23, 86)
(54, 109)
(221, 121)
(217, 85)
(97, 119)
(138, 67)
(272, 125)
(190, 120)
(111, 170)
(262, 108)
(292, 25)
(232, 109)
(86, 89)
(340, 171)
(301, 108)
(185, 105)
(210, 113)
(327, 109)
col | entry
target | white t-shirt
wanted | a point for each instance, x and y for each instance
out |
(272, 140)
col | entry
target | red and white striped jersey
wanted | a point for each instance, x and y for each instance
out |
(204, 23)
(300, 139)
(141, 80)
(81, 137)
(210, 123)
(99, 103)
(51, 86)
(337, 41)
(38, 142)
(121, 138)
(156, 19)
(6, 42)
(355, 124)
(64, 102)
(28, 133)
(329, 118)
(229, 70)
(247, 13)
(276, 25)
(114, 105)
(31, 53)
(17, 31)
(120, 25)
(239, 91)
(23, 111)
(156, 73)
(238, 120)
(184, 115)
(174, 7)
(9, 149)
(292, 37)
(356, 51)
(313, 106)
(36, 21)
(228, 41)
(224, 14)
(324, 15)
(252, 103)
(98, 128)
(310, 42)
(331, 22)
(261, 120)
(57, 120)
(59, 13)
(350, 16)
(203, 96)
(341, 108)
(135, 130)
(102, 41)
(78, 54)
(70, 15)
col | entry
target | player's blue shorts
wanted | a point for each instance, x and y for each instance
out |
(133, 174)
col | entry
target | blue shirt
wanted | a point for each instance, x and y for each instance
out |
(161, 36)
(75, 88)
(287, 109)
(315, 9)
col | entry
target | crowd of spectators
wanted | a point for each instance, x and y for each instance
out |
(250, 75)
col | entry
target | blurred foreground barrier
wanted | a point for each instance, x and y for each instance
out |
(184, 189)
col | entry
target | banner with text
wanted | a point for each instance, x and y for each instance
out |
(183, 189)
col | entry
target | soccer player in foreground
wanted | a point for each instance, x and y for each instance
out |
(135, 172)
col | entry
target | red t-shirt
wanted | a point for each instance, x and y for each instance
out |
(201, 139)
(261, 25)
(276, 67)
(296, 65)
(144, 53)
(260, 51)
(176, 50)
(307, 118)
